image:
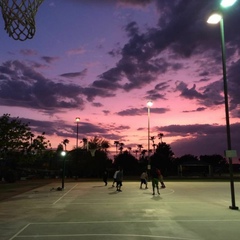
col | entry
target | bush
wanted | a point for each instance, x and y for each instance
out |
(10, 176)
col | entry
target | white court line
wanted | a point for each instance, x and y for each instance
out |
(105, 235)
(139, 221)
(119, 235)
(65, 194)
(135, 203)
(19, 232)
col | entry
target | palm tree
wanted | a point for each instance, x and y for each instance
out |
(105, 145)
(98, 143)
(116, 143)
(140, 146)
(154, 145)
(129, 149)
(65, 142)
(121, 147)
(160, 136)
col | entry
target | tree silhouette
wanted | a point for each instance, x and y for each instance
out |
(140, 146)
(116, 144)
(160, 136)
(136, 152)
(18, 145)
(85, 143)
(65, 142)
(154, 147)
(163, 157)
(121, 147)
(105, 145)
(98, 143)
(128, 162)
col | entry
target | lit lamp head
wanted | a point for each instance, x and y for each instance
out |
(149, 104)
(227, 3)
(77, 119)
(215, 18)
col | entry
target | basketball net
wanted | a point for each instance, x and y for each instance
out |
(19, 17)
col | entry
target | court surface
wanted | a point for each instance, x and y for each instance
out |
(90, 210)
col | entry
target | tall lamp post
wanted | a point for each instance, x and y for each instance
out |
(63, 154)
(149, 105)
(216, 18)
(77, 121)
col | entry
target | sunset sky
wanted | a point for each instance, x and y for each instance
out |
(102, 60)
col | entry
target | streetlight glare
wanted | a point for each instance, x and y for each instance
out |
(149, 103)
(77, 119)
(227, 3)
(214, 18)
(63, 153)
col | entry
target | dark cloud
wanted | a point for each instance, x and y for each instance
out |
(140, 63)
(48, 59)
(189, 93)
(92, 92)
(105, 84)
(211, 138)
(60, 128)
(200, 109)
(25, 87)
(156, 94)
(233, 80)
(21, 85)
(97, 104)
(106, 112)
(209, 96)
(141, 111)
(75, 74)
(184, 31)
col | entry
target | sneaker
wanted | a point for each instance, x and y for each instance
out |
(146, 187)
(163, 186)
(153, 194)
(158, 193)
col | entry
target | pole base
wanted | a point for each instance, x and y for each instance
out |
(233, 207)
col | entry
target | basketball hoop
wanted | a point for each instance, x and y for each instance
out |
(92, 151)
(19, 17)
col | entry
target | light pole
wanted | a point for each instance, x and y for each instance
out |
(214, 19)
(77, 121)
(149, 104)
(63, 154)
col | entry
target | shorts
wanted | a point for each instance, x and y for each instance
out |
(119, 183)
(155, 182)
(143, 181)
